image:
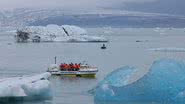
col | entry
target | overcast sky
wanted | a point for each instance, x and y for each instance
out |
(65, 4)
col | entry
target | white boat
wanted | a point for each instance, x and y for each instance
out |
(83, 71)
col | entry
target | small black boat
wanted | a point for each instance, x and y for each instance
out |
(103, 47)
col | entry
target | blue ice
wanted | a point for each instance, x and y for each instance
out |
(165, 82)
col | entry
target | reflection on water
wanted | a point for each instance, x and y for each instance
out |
(24, 100)
(136, 103)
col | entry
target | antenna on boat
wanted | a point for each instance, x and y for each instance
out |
(55, 60)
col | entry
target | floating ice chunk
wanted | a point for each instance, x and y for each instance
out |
(39, 88)
(108, 30)
(35, 86)
(165, 82)
(119, 77)
(93, 38)
(168, 49)
(55, 33)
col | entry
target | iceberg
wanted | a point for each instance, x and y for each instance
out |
(27, 87)
(165, 82)
(55, 33)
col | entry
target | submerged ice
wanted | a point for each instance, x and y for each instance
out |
(55, 33)
(33, 87)
(165, 82)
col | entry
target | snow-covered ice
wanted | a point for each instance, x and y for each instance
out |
(33, 87)
(168, 49)
(165, 82)
(64, 33)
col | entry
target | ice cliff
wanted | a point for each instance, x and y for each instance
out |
(165, 82)
(29, 87)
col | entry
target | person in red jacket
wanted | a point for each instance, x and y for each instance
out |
(75, 67)
(61, 66)
(65, 67)
(78, 67)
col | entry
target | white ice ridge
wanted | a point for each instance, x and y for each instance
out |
(64, 33)
(26, 86)
(169, 49)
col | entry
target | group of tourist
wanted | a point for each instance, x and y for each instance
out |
(69, 67)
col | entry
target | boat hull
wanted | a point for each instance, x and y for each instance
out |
(75, 73)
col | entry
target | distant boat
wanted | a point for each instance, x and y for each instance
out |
(103, 47)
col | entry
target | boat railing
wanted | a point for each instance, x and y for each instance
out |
(87, 67)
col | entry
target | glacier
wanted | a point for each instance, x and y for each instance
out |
(164, 82)
(26, 87)
(55, 33)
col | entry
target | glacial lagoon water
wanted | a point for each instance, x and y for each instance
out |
(126, 47)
